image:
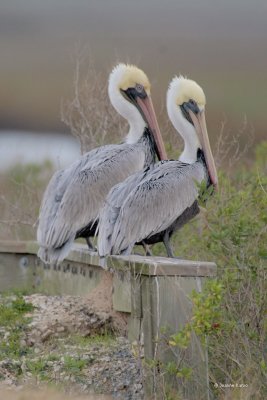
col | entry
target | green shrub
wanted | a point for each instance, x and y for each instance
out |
(231, 311)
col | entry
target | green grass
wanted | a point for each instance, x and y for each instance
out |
(53, 357)
(14, 320)
(103, 340)
(12, 312)
(38, 368)
(74, 365)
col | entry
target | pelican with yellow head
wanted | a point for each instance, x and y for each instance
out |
(74, 196)
(148, 207)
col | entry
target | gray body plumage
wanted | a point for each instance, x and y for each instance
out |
(148, 203)
(75, 195)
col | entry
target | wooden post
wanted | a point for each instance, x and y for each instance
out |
(161, 307)
(155, 291)
(166, 309)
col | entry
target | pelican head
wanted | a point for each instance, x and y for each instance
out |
(129, 93)
(186, 109)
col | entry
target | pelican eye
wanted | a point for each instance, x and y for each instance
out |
(139, 88)
(192, 102)
(192, 105)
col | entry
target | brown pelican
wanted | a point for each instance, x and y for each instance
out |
(75, 195)
(150, 205)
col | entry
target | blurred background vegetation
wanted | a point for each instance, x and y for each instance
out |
(219, 44)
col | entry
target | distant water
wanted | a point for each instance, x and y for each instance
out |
(28, 147)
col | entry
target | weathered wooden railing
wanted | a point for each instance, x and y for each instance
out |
(154, 291)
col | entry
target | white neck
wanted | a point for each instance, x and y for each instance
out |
(186, 130)
(127, 111)
(136, 130)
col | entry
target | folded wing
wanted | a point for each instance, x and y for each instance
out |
(73, 197)
(155, 203)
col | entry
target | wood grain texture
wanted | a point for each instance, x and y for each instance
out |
(151, 266)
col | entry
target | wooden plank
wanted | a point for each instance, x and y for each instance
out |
(8, 246)
(16, 272)
(26, 271)
(150, 266)
(121, 297)
(169, 310)
(135, 321)
(134, 330)
(161, 266)
(147, 323)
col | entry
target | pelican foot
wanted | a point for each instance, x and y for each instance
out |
(90, 245)
(146, 247)
(167, 244)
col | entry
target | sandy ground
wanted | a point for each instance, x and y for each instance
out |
(45, 394)
(60, 329)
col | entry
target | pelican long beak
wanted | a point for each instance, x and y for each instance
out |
(147, 108)
(199, 122)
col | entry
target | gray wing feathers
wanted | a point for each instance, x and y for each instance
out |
(87, 188)
(57, 187)
(155, 204)
(55, 255)
(50, 203)
(110, 211)
(53, 196)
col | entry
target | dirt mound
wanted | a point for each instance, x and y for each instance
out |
(101, 299)
(55, 315)
(75, 343)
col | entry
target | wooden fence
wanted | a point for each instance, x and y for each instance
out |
(154, 291)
